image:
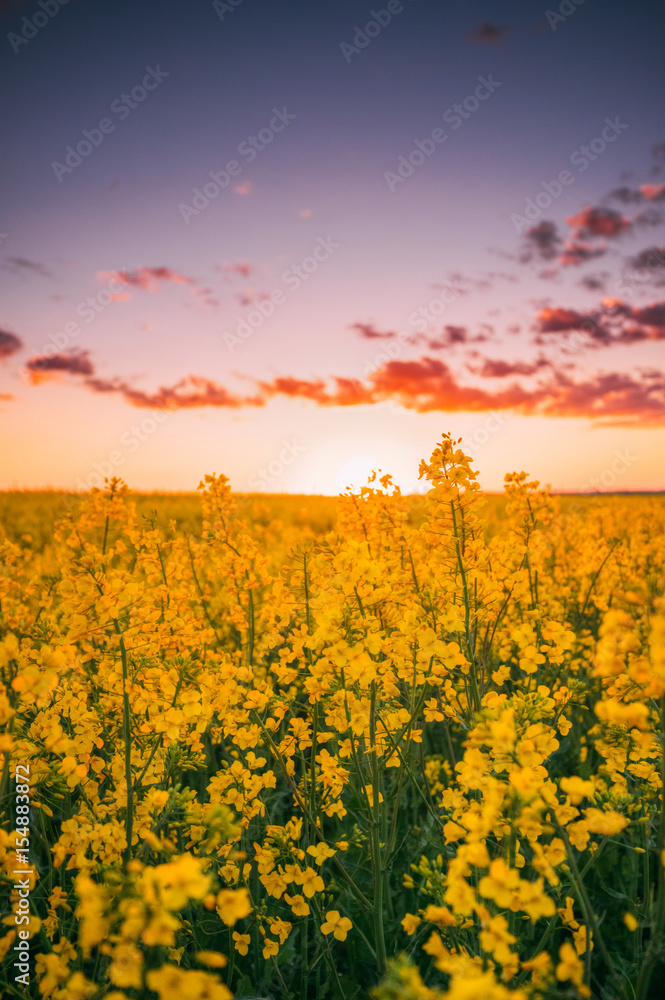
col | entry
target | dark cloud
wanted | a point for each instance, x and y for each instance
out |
(557, 319)
(21, 265)
(503, 369)
(614, 323)
(542, 239)
(594, 282)
(652, 258)
(369, 331)
(488, 34)
(598, 221)
(626, 195)
(450, 336)
(575, 253)
(189, 392)
(9, 344)
(649, 217)
(76, 363)
(653, 315)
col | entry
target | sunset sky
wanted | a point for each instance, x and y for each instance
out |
(426, 216)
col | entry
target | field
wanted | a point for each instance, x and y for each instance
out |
(292, 747)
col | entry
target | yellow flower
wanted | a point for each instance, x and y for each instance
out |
(500, 884)
(181, 880)
(281, 929)
(571, 968)
(310, 881)
(233, 905)
(213, 959)
(606, 823)
(298, 905)
(320, 852)
(580, 939)
(439, 915)
(336, 924)
(126, 968)
(242, 942)
(410, 923)
(270, 948)
(576, 789)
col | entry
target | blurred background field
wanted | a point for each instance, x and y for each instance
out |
(29, 517)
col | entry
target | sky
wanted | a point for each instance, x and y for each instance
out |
(293, 242)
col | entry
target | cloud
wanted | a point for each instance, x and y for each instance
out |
(575, 253)
(653, 315)
(149, 279)
(503, 369)
(189, 392)
(626, 195)
(543, 239)
(425, 385)
(594, 282)
(242, 267)
(9, 344)
(653, 192)
(76, 363)
(19, 265)
(450, 336)
(146, 278)
(556, 319)
(369, 331)
(615, 322)
(487, 34)
(598, 221)
(649, 217)
(651, 258)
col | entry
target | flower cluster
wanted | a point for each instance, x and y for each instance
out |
(419, 753)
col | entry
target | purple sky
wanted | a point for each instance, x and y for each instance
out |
(431, 217)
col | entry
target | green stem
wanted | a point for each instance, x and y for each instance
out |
(467, 615)
(127, 737)
(586, 907)
(656, 947)
(375, 844)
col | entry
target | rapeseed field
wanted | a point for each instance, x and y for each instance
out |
(378, 746)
